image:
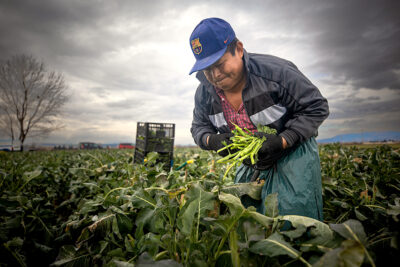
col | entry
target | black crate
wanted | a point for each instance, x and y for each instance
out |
(165, 157)
(156, 144)
(155, 130)
(155, 137)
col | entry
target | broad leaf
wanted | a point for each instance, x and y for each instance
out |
(320, 232)
(265, 221)
(122, 263)
(144, 216)
(146, 261)
(234, 204)
(103, 225)
(198, 202)
(69, 257)
(274, 246)
(394, 210)
(250, 232)
(29, 176)
(143, 199)
(251, 189)
(349, 254)
(124, 224)
(271, 205)
(350, 229)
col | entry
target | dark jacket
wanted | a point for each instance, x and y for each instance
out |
(277, 94)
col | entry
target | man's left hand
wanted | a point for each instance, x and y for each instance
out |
(271, 150)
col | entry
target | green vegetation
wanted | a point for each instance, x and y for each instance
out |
(96, 208)
(244, 146)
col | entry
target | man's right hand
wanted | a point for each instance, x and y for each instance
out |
(215, 142)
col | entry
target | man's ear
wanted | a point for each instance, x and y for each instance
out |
(239, 48)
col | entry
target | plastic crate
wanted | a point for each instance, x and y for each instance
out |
(156, 144)
(155, 130)
(165, 157)
(155, 137)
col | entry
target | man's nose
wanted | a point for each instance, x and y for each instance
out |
(215, 72)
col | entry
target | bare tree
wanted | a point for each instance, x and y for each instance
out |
(31, 98)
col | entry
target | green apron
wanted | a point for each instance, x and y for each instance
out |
(296, 178)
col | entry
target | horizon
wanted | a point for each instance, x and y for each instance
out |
(7, 143)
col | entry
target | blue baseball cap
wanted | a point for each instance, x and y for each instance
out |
(209, 41)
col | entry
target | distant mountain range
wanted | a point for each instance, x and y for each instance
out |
(362, 137)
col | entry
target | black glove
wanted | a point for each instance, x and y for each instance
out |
(271, 150)
(215, 142)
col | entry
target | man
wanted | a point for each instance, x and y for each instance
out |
(251, 89)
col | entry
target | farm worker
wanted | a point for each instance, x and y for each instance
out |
(251, 89)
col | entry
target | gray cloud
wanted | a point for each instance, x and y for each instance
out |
(358, 41)
(346, 109)
(127, 61)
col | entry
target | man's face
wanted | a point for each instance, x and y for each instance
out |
(227, 73)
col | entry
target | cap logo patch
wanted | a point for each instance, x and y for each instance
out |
(196, 46)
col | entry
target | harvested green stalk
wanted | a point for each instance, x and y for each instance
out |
(245, 145)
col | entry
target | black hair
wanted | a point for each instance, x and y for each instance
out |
(232, 46)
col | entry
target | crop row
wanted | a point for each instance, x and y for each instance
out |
(74, 208)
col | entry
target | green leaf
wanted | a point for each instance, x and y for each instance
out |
(144, 216)
(253, 190)
(42, 248)
(349, 254)
(198, 202)
(29, 176)
(15, 242)
(236, 210)
(250, 231)
(103, 225)
(146, 261)
(265, 221)
(394, 210)
(274, 246)
(129, 243)
(320, 232)
(124, 224)
(116, 253)
(351, 229)
(68, 256)
(341, 204)
(142, 199)
(359, 215)
(122, 263)
(271, 205)
(234, 204)
(149, 243)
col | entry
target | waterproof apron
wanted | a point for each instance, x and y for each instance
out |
(296, 178)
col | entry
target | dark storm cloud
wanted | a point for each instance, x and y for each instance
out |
(109, 50)
(346, 109)
(355, 42)
(358, 42)
(73, 36)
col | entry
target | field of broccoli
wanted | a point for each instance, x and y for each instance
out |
(97, 208)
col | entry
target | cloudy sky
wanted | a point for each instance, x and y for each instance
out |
(128, 61)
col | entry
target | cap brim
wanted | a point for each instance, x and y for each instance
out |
(208, 61)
